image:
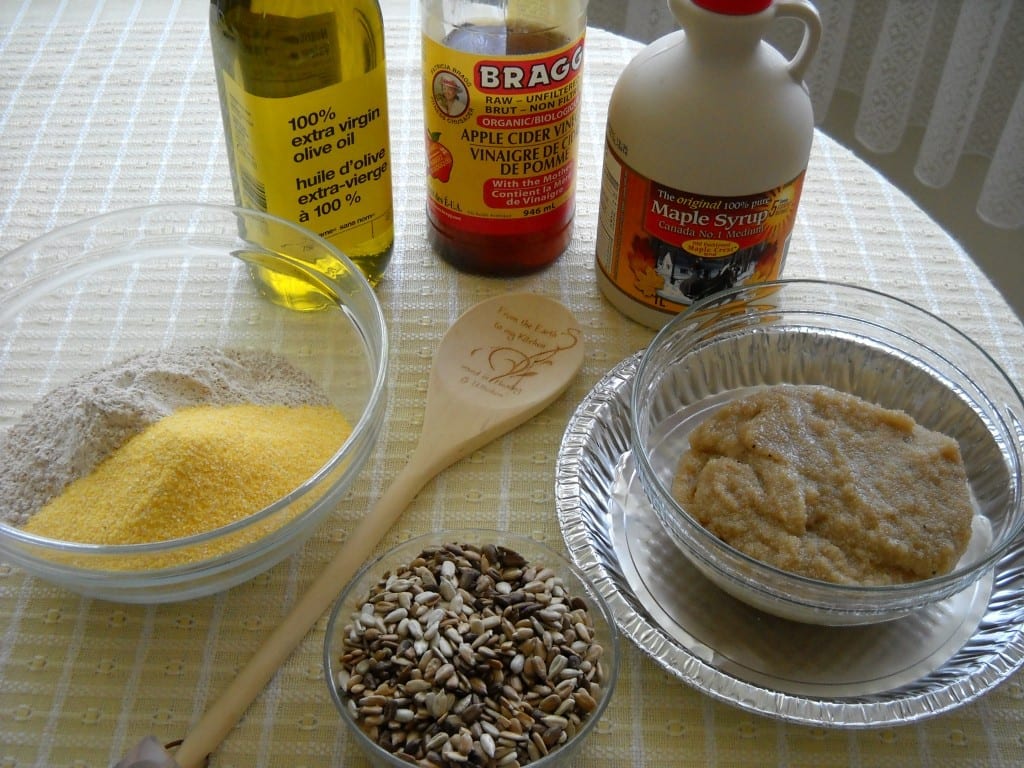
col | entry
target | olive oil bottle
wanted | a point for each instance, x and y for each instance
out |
(303, 97)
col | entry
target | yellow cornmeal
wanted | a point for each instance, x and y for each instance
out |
(197, 469)
(825, 484)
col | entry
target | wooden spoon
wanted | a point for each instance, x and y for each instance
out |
(501, 363)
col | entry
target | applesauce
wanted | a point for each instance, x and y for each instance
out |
(824, 484)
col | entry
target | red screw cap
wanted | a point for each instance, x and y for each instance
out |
(733, 7)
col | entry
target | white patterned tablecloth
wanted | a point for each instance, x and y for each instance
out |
(105, 105)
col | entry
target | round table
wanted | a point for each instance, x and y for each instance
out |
(111, 105)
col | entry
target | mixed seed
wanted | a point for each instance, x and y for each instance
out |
(470, 656)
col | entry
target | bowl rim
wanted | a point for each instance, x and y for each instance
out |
(372, 326)
(612, 655)
(943, 583)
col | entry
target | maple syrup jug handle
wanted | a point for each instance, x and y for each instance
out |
(804, 12)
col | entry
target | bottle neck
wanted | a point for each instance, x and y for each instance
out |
(715, 33)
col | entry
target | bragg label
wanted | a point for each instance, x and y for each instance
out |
(667, 248)
(501, 137)
(511, 77)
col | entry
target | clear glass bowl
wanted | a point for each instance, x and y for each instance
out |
(91, 294)
(855, 340)
(349, 606)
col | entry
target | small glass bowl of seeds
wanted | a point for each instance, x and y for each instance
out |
(470, 648)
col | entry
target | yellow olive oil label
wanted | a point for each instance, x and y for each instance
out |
(320, 159)
(501, 136)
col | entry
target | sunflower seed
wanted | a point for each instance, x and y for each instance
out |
(497, 662)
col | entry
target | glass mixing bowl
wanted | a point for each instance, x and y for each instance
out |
(486, 638)
(168, 277)
(855, 340)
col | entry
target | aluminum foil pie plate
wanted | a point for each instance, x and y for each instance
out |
(902, 671)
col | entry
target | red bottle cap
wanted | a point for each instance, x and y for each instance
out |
(733, 7)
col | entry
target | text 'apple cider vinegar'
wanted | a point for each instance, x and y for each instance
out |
(708, 136)
(501, 98)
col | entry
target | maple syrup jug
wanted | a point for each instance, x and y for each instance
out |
(708, 136)
(501, 97)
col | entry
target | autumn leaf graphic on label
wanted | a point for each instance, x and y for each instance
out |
(648, 281)
(439, 158)
(641, 255)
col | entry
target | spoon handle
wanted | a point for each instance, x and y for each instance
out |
(228, 709)
(471, 400)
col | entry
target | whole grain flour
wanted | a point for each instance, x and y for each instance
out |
(74, 427)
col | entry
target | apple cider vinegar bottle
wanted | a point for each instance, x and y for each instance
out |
(501, 97)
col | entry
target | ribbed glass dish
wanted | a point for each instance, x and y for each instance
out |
(856, 341)
(91, 294)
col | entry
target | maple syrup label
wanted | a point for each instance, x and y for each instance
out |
(501, 137)
(666, 248)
